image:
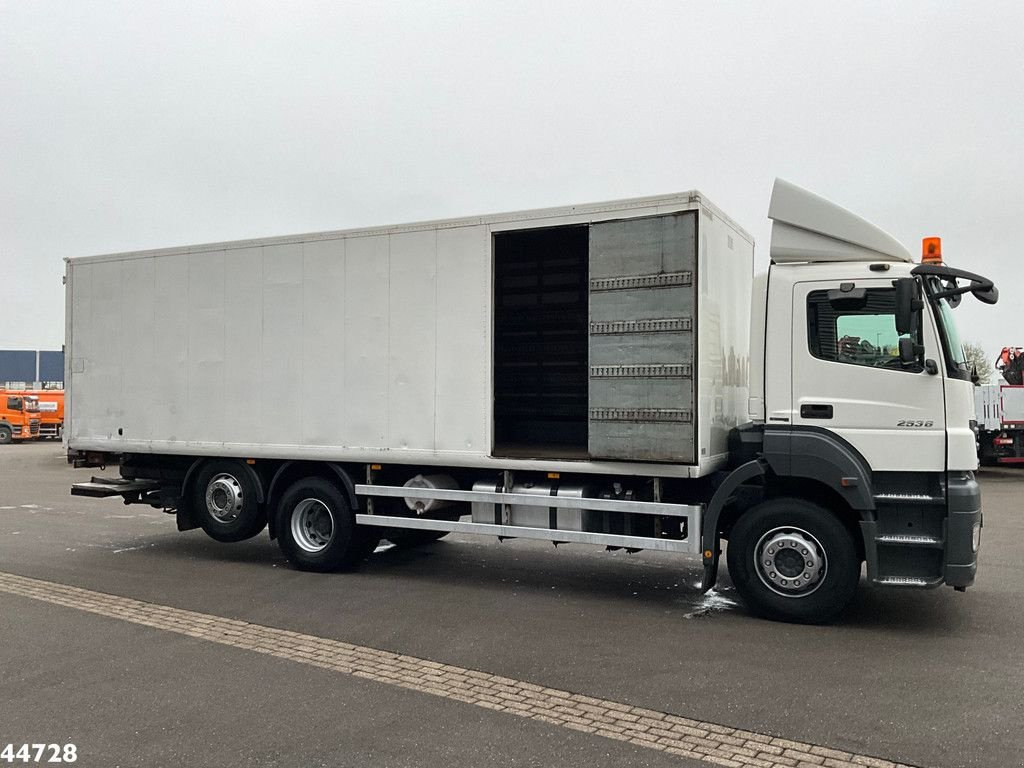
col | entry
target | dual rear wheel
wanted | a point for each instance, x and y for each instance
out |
(314, 520)
(225, 501)
(317, 531)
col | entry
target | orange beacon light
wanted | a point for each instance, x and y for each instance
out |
(931, 250)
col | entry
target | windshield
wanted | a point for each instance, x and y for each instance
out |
(951, 335)
(31, 404)
(956, 361)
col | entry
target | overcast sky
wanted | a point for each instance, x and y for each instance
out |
(127, 125)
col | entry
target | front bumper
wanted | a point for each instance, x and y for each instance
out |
(963, 527)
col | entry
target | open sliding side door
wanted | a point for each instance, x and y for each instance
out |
(642, 307)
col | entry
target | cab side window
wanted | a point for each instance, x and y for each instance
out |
(14, 403)
(864, 335)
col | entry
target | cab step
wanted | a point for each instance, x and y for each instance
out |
(918, 582)
(907, 498)
(909, 540)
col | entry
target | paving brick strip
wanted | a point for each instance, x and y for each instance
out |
(662, 731)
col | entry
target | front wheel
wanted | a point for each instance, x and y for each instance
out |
(793, 560)
(6, 438)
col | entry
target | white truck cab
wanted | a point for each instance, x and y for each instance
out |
(863, 399)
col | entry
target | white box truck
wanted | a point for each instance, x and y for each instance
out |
(611, 374)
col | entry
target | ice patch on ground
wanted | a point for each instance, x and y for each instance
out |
(132, 549)
(711, 602)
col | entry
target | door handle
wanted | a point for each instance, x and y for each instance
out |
(815, 411)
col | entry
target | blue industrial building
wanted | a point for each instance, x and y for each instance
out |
(28, 366)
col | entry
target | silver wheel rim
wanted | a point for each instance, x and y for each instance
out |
(790, 562)
(224, 498)
(312, 525)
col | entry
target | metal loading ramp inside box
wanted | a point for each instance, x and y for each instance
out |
(641, 338)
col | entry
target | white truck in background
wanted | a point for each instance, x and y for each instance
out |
(999, 411)
(610, 374)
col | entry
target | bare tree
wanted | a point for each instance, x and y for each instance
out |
(976, 356)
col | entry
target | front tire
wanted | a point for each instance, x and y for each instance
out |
(6, 438)
(793, 560)
(224, 501)
(317, 531)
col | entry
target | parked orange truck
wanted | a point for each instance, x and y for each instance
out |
(19, 418)
(51, 408)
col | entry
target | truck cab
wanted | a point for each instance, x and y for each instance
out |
(863, 398)
(50, 403)
(19, 418)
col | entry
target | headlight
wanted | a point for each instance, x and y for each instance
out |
(976, 537)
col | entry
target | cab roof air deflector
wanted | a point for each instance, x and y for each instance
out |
(809, 228)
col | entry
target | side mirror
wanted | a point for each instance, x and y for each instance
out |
(910, 354)
(987, 295)
(908, 306)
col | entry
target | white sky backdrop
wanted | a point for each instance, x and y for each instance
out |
(127, 125)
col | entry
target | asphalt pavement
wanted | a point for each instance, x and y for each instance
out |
(925, 678)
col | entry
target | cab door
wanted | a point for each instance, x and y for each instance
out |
(848, 378)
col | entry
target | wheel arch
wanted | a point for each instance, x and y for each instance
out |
(803, 462)
(824, 495)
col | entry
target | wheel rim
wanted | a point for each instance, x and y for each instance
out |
(224, 498)
(312, 525)
(790, 562)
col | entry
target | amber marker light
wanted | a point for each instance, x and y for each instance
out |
(931, 250)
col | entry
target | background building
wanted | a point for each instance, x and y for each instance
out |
(31, 368)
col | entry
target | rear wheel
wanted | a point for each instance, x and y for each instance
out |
(316, 528)
(224, 501)
(6, 438)
(793, 560)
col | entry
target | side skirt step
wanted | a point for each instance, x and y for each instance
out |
(522, 532)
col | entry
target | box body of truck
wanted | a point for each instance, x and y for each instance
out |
(613, 336)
